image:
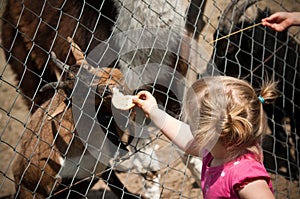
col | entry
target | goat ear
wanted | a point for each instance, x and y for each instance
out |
(61, 108)
(53, 165)
(60, 143)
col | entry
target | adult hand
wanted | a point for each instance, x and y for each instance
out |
(280, 21)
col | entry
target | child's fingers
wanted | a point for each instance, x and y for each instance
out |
(144, 95)
(137, 101)
(141, 97)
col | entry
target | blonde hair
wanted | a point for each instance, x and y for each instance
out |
(228, 110)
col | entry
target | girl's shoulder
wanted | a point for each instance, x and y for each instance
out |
(246, 165)
(246, 169)
(247, 158)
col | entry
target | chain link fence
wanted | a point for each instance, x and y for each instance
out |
(61, 137)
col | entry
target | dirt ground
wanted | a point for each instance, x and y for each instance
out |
(176, 180)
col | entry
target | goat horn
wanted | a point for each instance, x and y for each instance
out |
(233, 13)
(59, 63)
(51, 85)
(77, 52)
(79, 57)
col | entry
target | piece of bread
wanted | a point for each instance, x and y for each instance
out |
(121, 101)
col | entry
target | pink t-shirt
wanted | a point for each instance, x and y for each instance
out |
(223, 181)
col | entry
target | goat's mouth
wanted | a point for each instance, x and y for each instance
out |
(105, 91)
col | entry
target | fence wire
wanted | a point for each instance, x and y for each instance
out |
(61, 137)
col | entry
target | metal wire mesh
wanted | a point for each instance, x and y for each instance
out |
(67, 139)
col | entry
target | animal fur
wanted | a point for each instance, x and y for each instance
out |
(32, 29)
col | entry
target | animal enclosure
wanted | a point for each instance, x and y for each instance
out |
(60, 61)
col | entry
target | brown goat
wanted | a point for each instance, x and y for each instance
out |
(53, 160)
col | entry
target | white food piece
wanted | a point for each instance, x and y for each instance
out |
(121, 101)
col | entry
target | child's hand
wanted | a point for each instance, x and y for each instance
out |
(145, 101)
(279, 21)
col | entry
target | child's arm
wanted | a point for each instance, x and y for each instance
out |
(178, 132)
(256, 190)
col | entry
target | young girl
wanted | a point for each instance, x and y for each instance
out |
(226, 124)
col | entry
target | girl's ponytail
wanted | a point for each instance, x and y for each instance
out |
(268, 92)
